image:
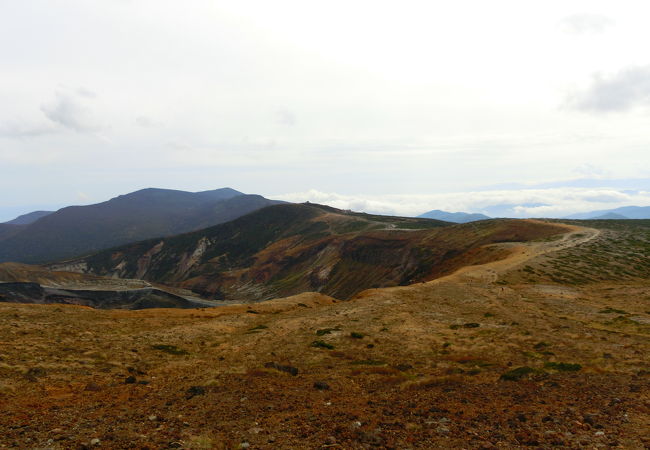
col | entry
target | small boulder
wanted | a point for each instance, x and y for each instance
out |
(321, 386)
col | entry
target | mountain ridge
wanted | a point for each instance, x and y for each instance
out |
(456, 217)
(31, 217)
(292, 248)
(143, 214)
(625, 212)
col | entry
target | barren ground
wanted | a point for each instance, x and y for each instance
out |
(418, 366)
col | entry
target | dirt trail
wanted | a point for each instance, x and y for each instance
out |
(520, 253)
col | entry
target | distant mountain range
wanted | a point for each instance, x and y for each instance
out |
(143, 214)
(28, 218)
(625, 212)
(456, 217)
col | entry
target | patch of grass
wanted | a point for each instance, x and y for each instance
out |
(369, 362)
(324, 331)
(257, 328)
(171, 349)
(322, 344)
(610, 310)
(356, 335)
(457, 326)
(563, 367)
(517, 374)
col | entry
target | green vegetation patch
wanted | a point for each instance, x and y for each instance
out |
(324, 331)
(457, 326)
(322, 344)
(357, 335)
(369, 362)
(517, 374)
(563, 367)
(610, 310)
(171, 349)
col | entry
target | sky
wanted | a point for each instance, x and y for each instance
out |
(525, 108)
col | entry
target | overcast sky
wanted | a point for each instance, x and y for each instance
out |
(384, 106)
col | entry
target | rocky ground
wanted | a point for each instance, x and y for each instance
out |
(484, 358)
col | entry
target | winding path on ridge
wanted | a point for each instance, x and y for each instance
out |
(521, 253)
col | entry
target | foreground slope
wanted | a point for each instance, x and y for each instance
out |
(482, 358)
(288, 249)
(139, 215)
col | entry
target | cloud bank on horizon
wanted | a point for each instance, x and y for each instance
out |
(391, 106)
(522, 203)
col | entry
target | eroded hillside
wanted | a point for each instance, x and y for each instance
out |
(288, 249)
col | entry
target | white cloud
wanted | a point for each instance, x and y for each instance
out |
(621, 91)
(586, 24)
(285, 117)
(402, 98)
(23, 129)
(70, 110)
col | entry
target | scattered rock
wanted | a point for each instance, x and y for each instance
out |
(433, 409)
(321, 386)
(194, 391)
(442, 429)
(371, 437)
(95, 442)
(403, 367)
(244, 444)
(590, 419)
(130, 380)
(92, 387)
(34, 373)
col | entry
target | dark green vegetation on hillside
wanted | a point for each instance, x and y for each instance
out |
(78, 230)
(288, 249)
(7, 230)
